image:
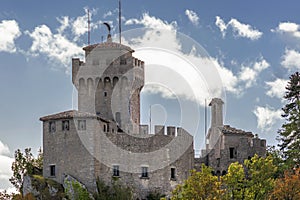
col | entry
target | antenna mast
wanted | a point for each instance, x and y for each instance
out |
(120, 20)
(89, 28)
(205, 118)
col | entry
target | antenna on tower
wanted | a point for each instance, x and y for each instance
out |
(205, 117)
(89, 28)
(120, 20)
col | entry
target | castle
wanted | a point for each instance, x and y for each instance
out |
(104, 139)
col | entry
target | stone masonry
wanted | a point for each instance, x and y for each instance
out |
(104, 138)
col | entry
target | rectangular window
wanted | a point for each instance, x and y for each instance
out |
(123, 61)
(173, 173)
(231, 152)
(65, 125)
(52, 170)
(144, 172)
(81, 125)
(116, 171)
(52, 127)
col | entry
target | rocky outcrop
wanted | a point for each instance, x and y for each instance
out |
(42, 188)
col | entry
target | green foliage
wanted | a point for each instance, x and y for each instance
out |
(155, 195)
(38, 162)
(22, 165)
(200, 185)
(114, 192)
(80, 193)
(252, 181)
(290, 130)
(235, 182)
(279, 161)
(75, 191)
(261, 180)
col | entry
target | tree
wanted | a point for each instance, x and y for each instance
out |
(278, 160)
(290, 130)
(288, 187)
(24, 164)
(200, 185)
(234, 181)
(260, 180)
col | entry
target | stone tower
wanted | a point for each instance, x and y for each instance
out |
(109, 83)
(226, 144)
(216, 112)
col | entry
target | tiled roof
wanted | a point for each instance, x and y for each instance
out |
(108, 45)
(226, 129)
(69, 114)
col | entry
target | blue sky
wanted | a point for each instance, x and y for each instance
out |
(254, 45)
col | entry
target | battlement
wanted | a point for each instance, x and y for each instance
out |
(161, 130)
(137, 63)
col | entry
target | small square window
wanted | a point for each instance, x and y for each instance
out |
(173, 173)
(52, 170)
(81, 125)
(116, 171)
(105, 94)
(144, 172)
(65, 125)
(52, 127)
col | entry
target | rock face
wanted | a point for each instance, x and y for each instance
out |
(42, 188)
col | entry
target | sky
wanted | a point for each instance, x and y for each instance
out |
(252, 46)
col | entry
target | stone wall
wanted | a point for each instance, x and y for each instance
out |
(66, 150)
(159, 166)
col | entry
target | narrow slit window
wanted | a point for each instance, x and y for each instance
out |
(52, 127)
(144, 172)
(116, 171)
(231, 152)
(65, 125)
(81, 125)
(52, 170)
(173, 173)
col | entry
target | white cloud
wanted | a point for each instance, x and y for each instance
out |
(221, 24)
(185, 73)
(65, 23)
(9, 31)
(152, 22)
(234, 83)
(240, 29)
(5, 167)
(266, 117)
(277, 88)
(55, 46)
(193, 17)
(80, 25)
(4, 150)
(290, 28)
(291, 59)
(107, 14)
(229, 80)
(248, 75)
